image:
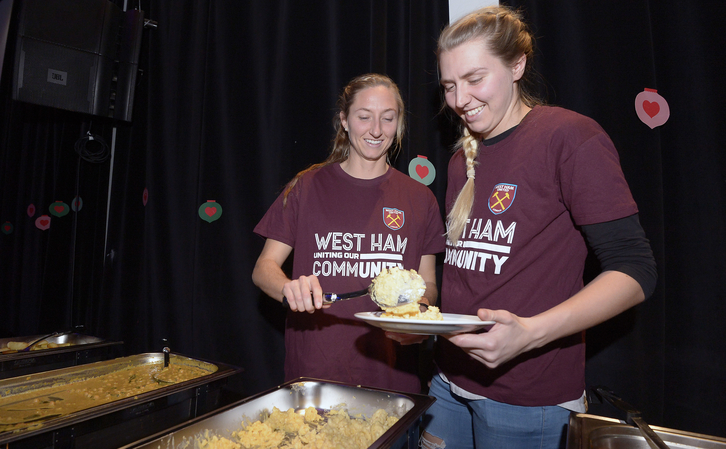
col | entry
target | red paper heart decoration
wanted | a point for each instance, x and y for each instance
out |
(210, 211)
(651, 109)
(422, 171)
(42, 222)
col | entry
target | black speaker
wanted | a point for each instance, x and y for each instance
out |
(78, 55)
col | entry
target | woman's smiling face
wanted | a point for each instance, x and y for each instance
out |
(480, 88)
(372, 123)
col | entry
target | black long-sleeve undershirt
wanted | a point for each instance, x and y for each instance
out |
(621, 245)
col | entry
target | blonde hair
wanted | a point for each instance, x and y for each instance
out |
(506, 35)
(341, 142)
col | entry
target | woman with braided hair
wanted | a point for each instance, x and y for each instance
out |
(529, 189)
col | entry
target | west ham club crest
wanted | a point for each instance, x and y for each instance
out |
(502, 197)
(393, 218)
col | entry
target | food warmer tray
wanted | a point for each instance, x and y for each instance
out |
(598, 432)
(123, 421)
(83, 349)
(300, 394)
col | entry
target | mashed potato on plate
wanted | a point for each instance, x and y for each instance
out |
(413, 311)
(395, 282)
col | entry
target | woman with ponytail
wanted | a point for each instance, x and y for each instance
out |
(529, 189)
(347, 219)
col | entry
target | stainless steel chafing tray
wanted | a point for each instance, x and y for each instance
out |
(298, 395)
(598, 432)
(83, 349)
(122, 421)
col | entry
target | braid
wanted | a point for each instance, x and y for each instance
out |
(465, 200)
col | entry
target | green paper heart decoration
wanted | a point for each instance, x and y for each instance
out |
(422, 170)
(210, 211)
(77, 204)
(59, 209)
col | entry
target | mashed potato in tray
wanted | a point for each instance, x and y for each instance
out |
(289, 430)
(395, 282)
(412, 311)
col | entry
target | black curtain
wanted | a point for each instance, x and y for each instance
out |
(234, 98)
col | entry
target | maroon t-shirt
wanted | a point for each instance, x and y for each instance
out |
(345, 231)
(521, 250)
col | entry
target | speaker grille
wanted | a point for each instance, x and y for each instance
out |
(67, 56)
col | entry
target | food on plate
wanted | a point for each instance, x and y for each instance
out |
(413, 311)
(334, 429)
(394, 282)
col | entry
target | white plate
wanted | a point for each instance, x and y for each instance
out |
(453, 323)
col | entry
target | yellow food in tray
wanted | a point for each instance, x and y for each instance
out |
(31, 408)
(14, 346)
(335, 429)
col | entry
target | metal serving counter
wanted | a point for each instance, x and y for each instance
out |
(81, 349)
(598, 432)
(117, 422)
(298, 395)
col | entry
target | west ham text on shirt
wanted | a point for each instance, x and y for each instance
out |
(381, 252)
(483, 246)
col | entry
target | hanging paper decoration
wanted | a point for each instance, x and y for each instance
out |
(210, 211)
(145, 196)
(42, 222)
(652, 109)
(7, 228)
(59, 209)
(422, 170)
(77, 204)
(31, 210)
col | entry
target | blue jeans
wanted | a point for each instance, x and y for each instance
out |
(482, 424)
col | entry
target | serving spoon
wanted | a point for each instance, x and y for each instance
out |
(157, 376)
(405, 294)
(52, 334)
(330, 298)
